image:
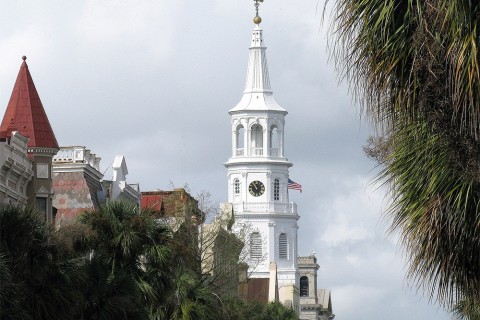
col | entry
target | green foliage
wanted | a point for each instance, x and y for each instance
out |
(467, 310)
(435, 208)
(114, 263)
(237, 309)
(35, 282)
(414, 68)
(128, 265)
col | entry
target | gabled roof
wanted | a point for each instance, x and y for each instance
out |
(26, 114)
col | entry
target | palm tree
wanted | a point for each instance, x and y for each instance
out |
(414, 68)
(35, 282)
(128, 267)
(192, 298)
(277, 311)
(467, 310)
(237, 309)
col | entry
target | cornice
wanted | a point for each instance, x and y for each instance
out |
(256, 160)
(282, 216)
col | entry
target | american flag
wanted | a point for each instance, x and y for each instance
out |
(293, 185)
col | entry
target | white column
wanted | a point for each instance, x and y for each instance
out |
(234, 143)
(265, 142)
(247, 143)
(271, 241)
(280, 140)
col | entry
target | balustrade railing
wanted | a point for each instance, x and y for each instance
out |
(274, 152)
(256, 151)
(273, 207)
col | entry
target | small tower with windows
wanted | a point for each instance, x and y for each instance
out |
(258, 178)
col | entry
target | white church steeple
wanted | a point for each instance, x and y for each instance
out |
(258, 177)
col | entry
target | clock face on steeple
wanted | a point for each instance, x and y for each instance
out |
(256, 188)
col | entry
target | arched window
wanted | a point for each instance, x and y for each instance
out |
(240, 140)
(255, 245)
(282, 246)
(273, 141)
(257, 140)
(236, 186)
(304, 286)
(276, 189)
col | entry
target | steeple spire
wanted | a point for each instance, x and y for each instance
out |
(26, 114)
(258, 94)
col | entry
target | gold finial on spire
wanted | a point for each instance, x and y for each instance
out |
(257, 19)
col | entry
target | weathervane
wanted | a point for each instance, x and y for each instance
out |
(257, 18)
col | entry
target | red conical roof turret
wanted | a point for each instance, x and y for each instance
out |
(26, 114)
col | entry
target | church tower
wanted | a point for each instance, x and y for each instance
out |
(258, 180)
(25, 114)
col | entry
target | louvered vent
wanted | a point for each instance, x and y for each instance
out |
(282, 246)
(255, 245)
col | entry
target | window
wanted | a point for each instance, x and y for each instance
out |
(255, 245)
(276, 189)
(239, 140)
(236, 186)
(257, 140)
(304, 286)
(282, 246)
(41, 204)
(42, 170)
(274, 143)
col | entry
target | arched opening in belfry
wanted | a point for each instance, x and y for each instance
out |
(274, 143)
(239, 140)
(257, 140)
(304, 286)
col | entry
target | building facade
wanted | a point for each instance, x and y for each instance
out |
(180, 211)
(220, 252)
(78, 184)
(16, 170)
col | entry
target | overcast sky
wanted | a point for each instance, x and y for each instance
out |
(154, 80)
